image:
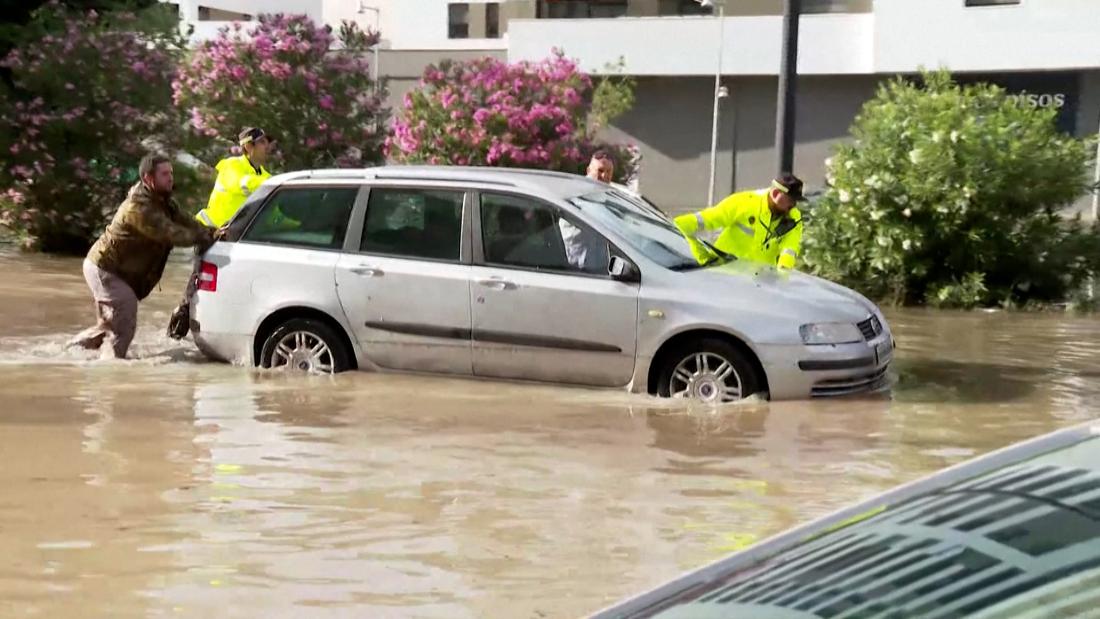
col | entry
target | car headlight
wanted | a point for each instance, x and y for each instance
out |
(830, 333)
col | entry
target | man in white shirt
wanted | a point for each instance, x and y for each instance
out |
(586, 251)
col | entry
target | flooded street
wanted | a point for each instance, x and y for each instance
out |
(170, 486)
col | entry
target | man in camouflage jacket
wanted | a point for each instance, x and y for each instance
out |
(128, 259)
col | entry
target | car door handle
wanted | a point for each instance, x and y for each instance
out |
(497, 284)
(367, 271)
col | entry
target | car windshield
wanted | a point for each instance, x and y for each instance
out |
(643, 226)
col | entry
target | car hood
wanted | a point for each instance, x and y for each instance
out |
(790, 292)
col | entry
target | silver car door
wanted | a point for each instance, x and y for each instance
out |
(536, 314)
(406, 286)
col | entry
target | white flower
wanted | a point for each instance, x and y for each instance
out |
(848, 165)
(906, 244)
(882, 241)
(876, 215)
(937, 137)
(954, 136)
(903, 199)
(845, 197)
(907, 212)
(915, 156)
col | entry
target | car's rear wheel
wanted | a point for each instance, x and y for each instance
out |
(304, 345)
(708, 370)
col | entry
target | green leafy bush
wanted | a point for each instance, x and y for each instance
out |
(950, 195)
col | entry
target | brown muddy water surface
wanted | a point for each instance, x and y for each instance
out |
(169, 486)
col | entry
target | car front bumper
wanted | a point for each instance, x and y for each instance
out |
(801, 371)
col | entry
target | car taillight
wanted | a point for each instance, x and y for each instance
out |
(208, 277)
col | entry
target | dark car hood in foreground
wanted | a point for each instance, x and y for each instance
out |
(1011, 533)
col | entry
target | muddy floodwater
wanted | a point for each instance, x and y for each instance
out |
(169, 486)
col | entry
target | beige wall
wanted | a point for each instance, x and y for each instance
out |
(671, 122)
(477, 21)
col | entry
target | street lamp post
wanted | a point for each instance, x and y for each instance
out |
(719, 91)
(788, 78)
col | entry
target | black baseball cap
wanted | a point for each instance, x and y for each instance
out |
(790, 185)
(251, 134)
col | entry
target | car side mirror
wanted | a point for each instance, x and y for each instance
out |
(623, 270)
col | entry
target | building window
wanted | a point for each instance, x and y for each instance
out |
(492, 20)
(991, 2)
(692, 7)
(580, 9)
(458, 20)
(208, 14)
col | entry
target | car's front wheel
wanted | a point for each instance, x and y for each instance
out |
(708, 370)
(305, 345)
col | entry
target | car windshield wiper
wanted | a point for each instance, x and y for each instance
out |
(720, 257)
(717, 252)
(695, 264)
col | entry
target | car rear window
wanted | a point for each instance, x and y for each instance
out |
(311, 217)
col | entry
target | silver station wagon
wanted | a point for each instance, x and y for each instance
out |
(518, 274)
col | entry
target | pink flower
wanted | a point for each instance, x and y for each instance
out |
(326, 102)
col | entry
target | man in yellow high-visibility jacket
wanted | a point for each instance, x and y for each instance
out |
(237, 178)
(760, 226)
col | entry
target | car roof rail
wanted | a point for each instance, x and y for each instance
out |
(441, 179)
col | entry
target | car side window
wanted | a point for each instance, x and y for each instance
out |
(313, 217)
(520, 232)
(414, 223)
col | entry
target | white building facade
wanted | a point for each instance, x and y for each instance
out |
(1047, 50)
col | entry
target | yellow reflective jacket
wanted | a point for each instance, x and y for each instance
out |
(237, 179)
(748, 231)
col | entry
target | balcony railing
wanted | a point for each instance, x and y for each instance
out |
(584, 9)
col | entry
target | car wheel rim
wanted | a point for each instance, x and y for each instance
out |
(302, 351)
(707, 377)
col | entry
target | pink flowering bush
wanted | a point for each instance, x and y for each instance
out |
(83, 99)
(318, 103)
(489, 113)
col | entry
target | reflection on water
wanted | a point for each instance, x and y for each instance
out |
(171, 486)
